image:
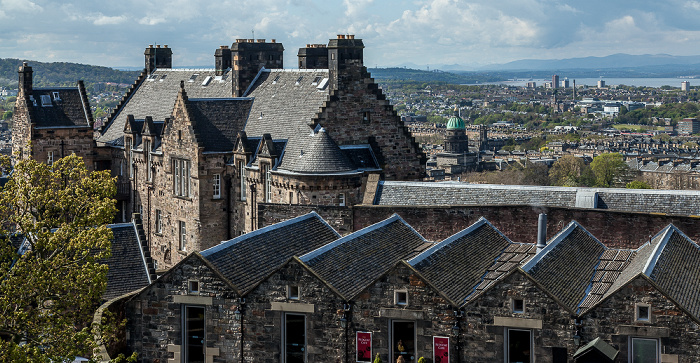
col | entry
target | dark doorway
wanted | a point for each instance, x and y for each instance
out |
(403, 340)
(294, 338)
(194, 334)
(519, 346)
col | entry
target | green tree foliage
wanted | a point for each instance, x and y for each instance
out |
(569, 171)
(638, 184)
(48, 294)
(609, 170)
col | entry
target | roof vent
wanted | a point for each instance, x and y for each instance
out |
(541, 232)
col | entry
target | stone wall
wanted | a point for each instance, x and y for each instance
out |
(517, 222)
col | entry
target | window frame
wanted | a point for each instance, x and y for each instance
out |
(657, 347)
(181, 177)
(216, 186)
(398, 300)
(514, 307)
(342, 200)
(638, 316)
(185, 329)
(159, 221)
(506, 343)
(241, 168)
(182, 236)
(49, 157)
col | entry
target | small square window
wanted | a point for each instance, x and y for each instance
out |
(518, 305)
(401, 297)
(293, 292)
(643, 312)
(193, 287)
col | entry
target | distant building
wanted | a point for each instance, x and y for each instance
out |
(531, 85)
(601, 84)
(688, 126)
(565, 83)
(685, 86)
(555, 81)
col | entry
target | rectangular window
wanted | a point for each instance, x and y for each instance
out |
(45, 100)
(147, 154)
(241, 167)
(293, 292)
(403, 338)
(366, 117)
(518, 305)
(181, 177)
(341, 199)
(217, 186)
(519, 346)
(643, 312)
(49, 158)
(56, 97)
(183, 236)
(268, 189)
(193, 286)
(401, 297)
(159, 221)
(294, 338)
(194, 330)
(645, 350)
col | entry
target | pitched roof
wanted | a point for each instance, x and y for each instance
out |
(128, 269)
(216, 122)
(566, 265)
(321, 155)
(352, 263)
(155, 96)
(612, 263)
(472, 258)
(69, 109)
(248, 259)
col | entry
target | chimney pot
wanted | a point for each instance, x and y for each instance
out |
(261, 40)
(157, 45)
(541, 232)
(165, 46)
(251, 40)
(150, 45)
(273, 40)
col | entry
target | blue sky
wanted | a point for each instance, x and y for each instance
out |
(426, 32)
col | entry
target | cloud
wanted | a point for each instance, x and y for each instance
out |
(109, 20)
(19, 6)
(147, 20)
(355, 7)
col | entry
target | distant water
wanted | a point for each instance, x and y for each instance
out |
(593, 82)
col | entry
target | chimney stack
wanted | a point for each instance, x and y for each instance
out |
(25, 79)
(541, 232)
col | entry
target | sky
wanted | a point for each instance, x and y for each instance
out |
(421, 32)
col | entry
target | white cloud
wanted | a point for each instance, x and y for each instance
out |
(355, 7)
(109, 20)
(147, 20)
(20, 6)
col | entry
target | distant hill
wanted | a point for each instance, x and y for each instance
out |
(613, 61)
(62, 74)
(416, 75)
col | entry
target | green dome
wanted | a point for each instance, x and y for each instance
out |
(455, 123)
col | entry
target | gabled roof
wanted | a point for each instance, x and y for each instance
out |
(469, 260)
(155, 96)
(353, 262)
(321, 156)
(60, 107)
(248, 259)
(216, 122)
(128, 268)
(566, 265)
(612, 263)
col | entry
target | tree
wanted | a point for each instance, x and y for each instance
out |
(609, 170)
(49, 292)
(568, 171)
(638, 184)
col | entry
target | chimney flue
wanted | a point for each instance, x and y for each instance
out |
(541, 232)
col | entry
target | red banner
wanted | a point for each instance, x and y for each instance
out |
(441, 349)
(364, 346)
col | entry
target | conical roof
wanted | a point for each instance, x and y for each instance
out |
(320, 155)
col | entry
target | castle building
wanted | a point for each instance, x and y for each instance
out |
(196, 151)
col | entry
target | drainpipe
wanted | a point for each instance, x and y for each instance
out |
(541, 232)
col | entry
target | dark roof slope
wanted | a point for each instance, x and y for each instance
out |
(475, 256)
(322, 155)
(353, 262)
(565, 267)
(612, 263)
(155, 96)
(248, 259)
(127, 266)
(66, 110)
(217, 121)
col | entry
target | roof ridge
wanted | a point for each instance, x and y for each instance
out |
(446, 242)
(225, 244)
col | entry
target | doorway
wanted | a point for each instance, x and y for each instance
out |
(194, 334)
(403, 340)
(294, 338)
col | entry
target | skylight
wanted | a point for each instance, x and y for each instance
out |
(206, 81)
(193, 77)
(45, 100)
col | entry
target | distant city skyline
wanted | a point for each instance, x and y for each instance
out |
(422, 32)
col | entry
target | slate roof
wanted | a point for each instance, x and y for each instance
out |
(128, 270)
(353, 262)
(217, 121)
(321, 156)
(470, 260)
(155, 96)
(248, 259)
(567, 264)
(612, 263)
(361, 157)
(68, 110)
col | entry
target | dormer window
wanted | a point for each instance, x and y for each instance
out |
(56, 97)
(45, 101)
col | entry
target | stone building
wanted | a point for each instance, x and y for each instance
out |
(197, 150)
(50, 123)
(474, 297)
